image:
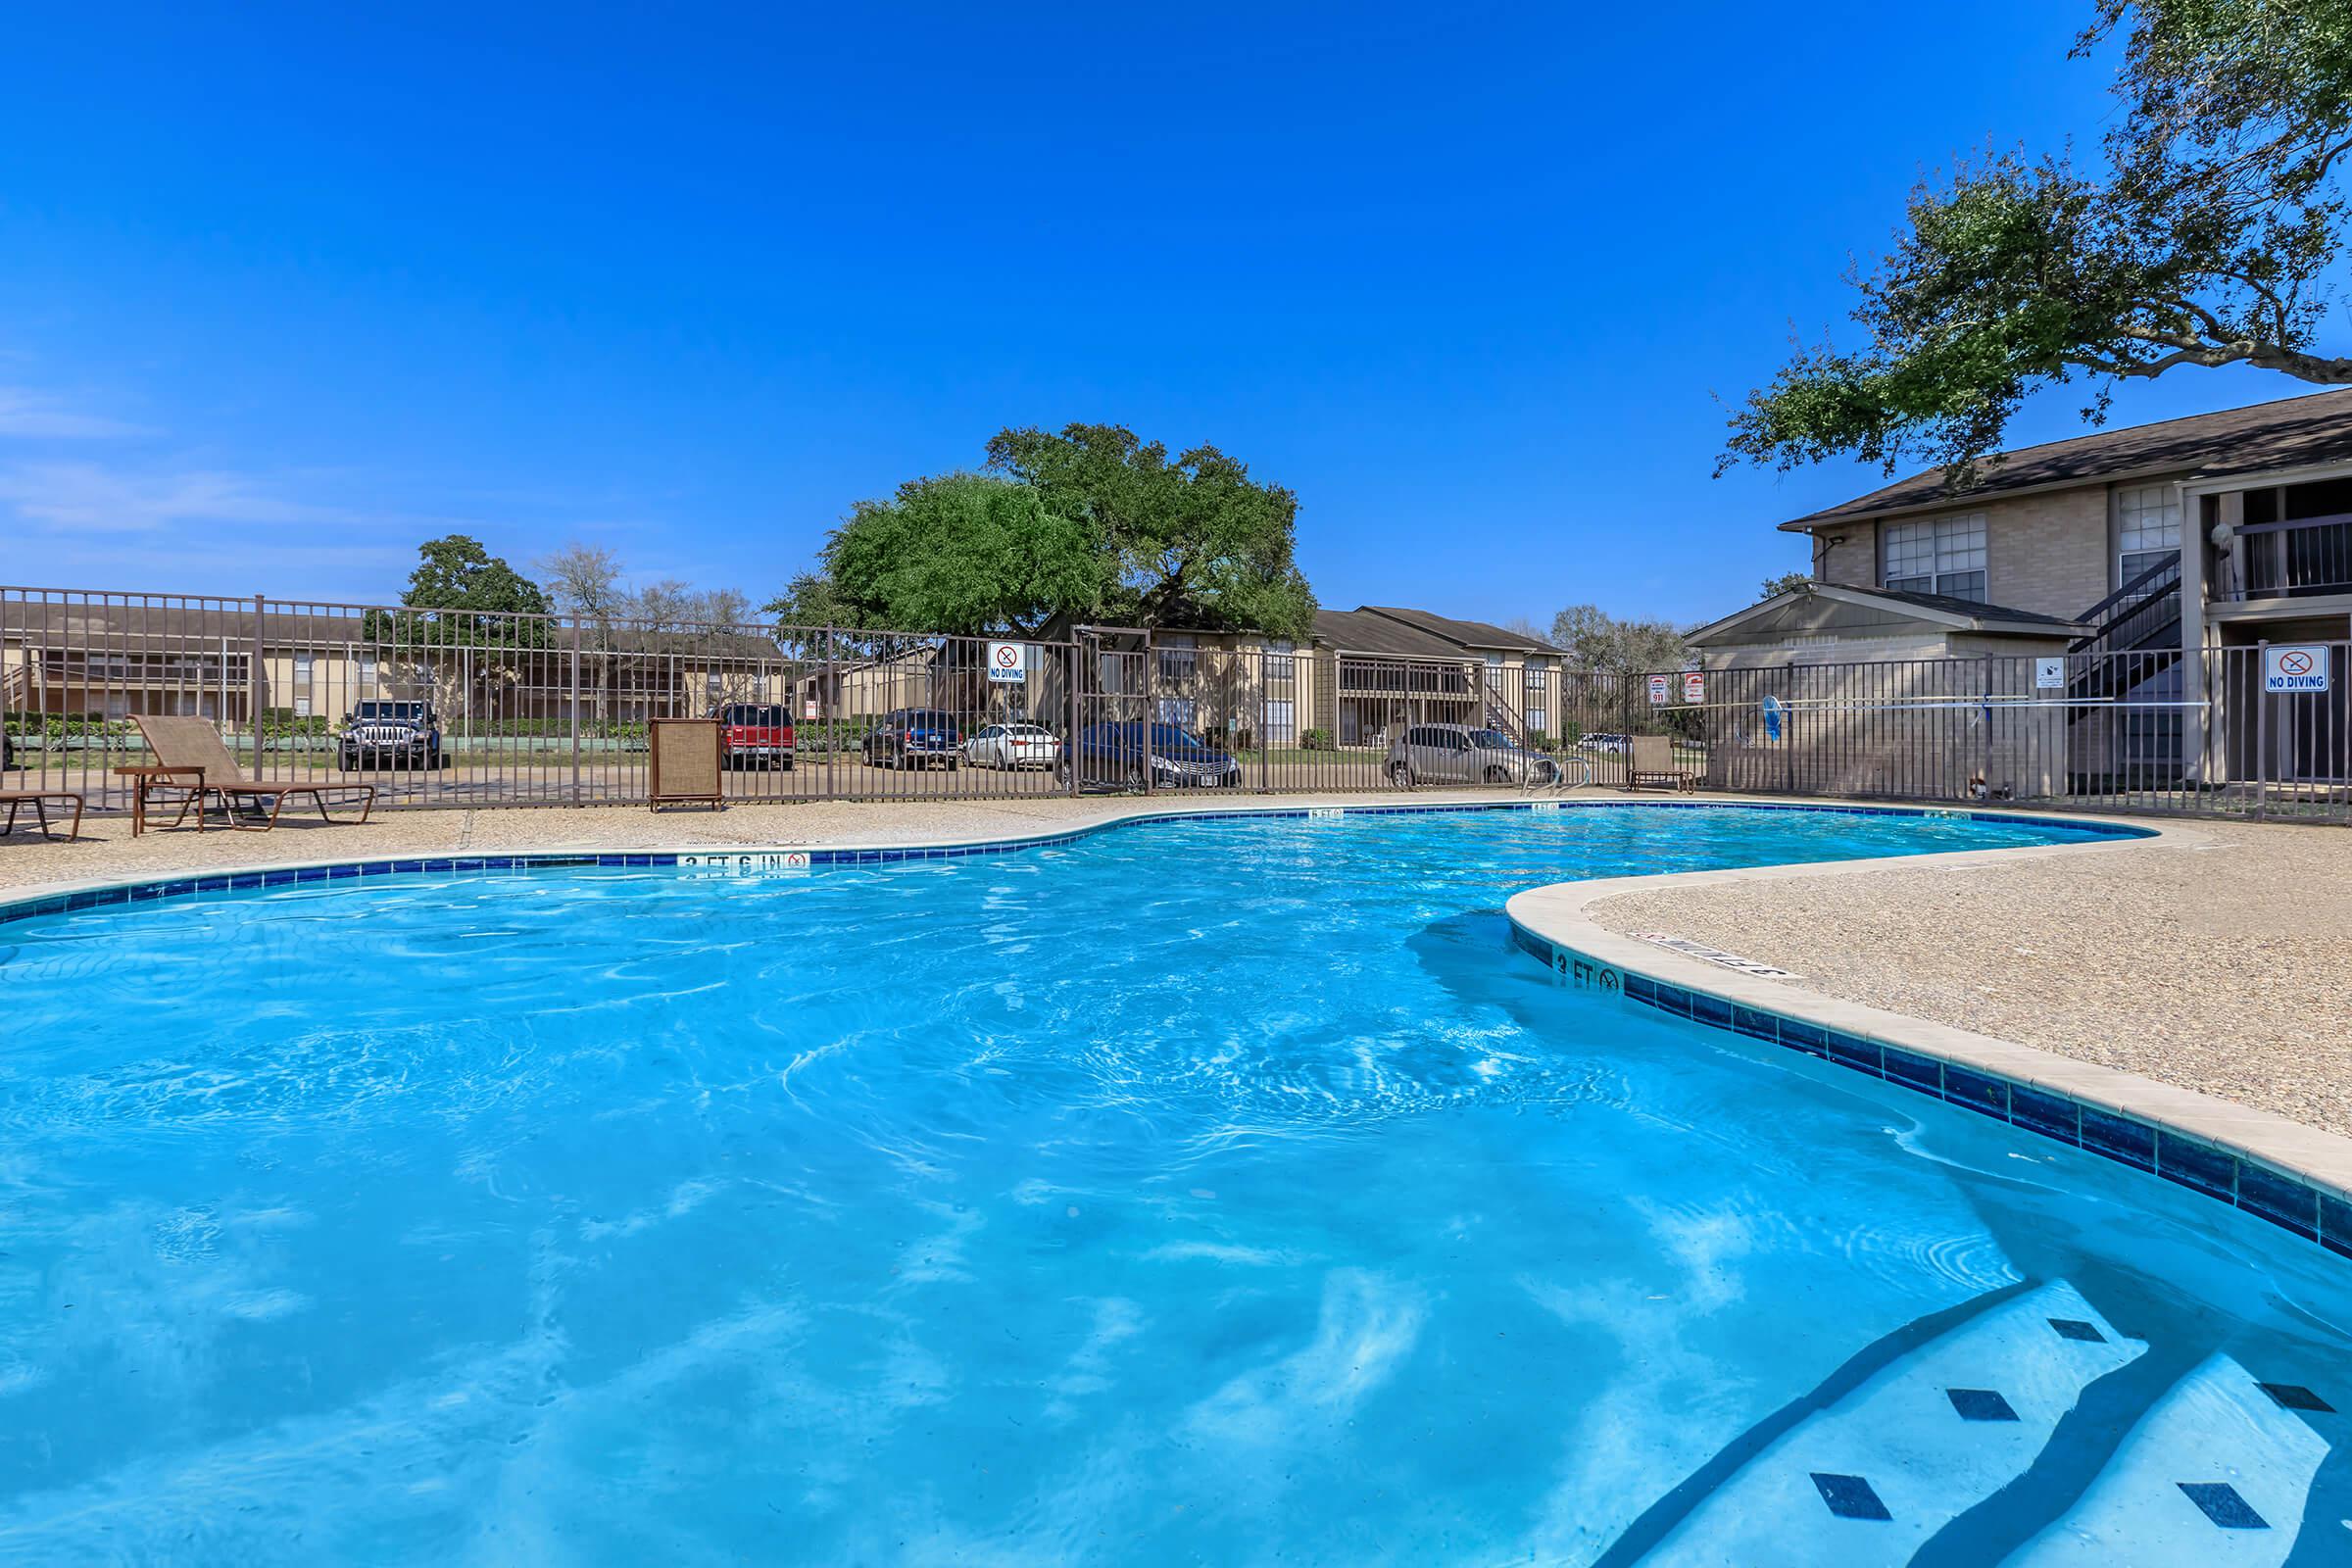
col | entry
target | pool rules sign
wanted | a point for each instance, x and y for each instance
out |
(1008, 662)
(2294, 668)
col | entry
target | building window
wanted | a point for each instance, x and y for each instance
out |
(1539, 722)
(1280, 664)
(1177, 661)
(1937, 556)
(2147, 529)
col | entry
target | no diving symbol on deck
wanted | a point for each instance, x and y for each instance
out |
(2294, 670)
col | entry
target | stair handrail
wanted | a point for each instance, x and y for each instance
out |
(2138, 591)
(2171, 562)
(1500, 714)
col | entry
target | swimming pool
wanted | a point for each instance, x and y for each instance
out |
(1195, 1192)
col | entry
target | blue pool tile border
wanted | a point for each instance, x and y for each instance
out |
(2304, 1209)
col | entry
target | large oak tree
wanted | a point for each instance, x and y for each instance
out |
(1191, 541)
(1091, 524)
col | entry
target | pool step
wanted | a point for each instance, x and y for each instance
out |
(2213, 1476)
(1871, 1478)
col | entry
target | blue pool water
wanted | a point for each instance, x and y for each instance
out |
(1199, 1192)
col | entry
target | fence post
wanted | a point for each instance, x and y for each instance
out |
(1069, 747)
(576, 631)
(828, 719)
(2262, 728)
(1265, 711)
(253, 684)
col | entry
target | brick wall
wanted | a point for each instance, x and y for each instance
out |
(2044, 552)
(1854, 561)
(2048, 553)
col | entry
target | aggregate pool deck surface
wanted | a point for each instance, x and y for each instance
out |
(2221, 963)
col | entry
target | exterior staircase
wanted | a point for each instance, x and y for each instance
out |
(2142, 618)
(1497, 713)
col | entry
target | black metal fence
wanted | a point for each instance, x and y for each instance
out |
(441, 708)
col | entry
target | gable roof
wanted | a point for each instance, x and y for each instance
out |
(1362, 631)
(2291, 432)
(1938, 610)
(1461, 633)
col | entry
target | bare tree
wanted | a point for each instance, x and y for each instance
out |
(584, 581)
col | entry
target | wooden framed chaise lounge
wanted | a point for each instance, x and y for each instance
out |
(190, 758)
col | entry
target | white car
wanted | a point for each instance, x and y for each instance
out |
(1013, 746)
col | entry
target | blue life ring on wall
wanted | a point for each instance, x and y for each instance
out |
(1773, 711)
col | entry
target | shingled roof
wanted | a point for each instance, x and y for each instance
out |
(1362, 631)
(2289, 434)
(1391, 629)
(1478, 634)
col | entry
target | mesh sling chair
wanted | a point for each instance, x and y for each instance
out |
(191, 747)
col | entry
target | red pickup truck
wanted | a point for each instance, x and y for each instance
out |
(756, 733)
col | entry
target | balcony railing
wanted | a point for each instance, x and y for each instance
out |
(2298, 559)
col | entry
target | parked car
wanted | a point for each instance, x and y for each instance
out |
(1612, 745)
(1458, 754)
(389, 734)
(914, 737)
(1168, 756)
(1013, 746)
(756, 733)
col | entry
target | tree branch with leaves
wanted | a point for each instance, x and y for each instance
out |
(2207, 235)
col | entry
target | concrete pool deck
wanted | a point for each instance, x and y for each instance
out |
(2209, 958)
(2212, 958)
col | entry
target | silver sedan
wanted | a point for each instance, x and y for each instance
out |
(1013, 746)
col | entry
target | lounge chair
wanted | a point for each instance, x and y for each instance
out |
(40, 800)
(189, 757)
(1651, 761)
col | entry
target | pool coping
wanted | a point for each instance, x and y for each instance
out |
(2295, 1177)
(2177, 1133)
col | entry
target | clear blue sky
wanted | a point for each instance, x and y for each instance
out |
(283, 291)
